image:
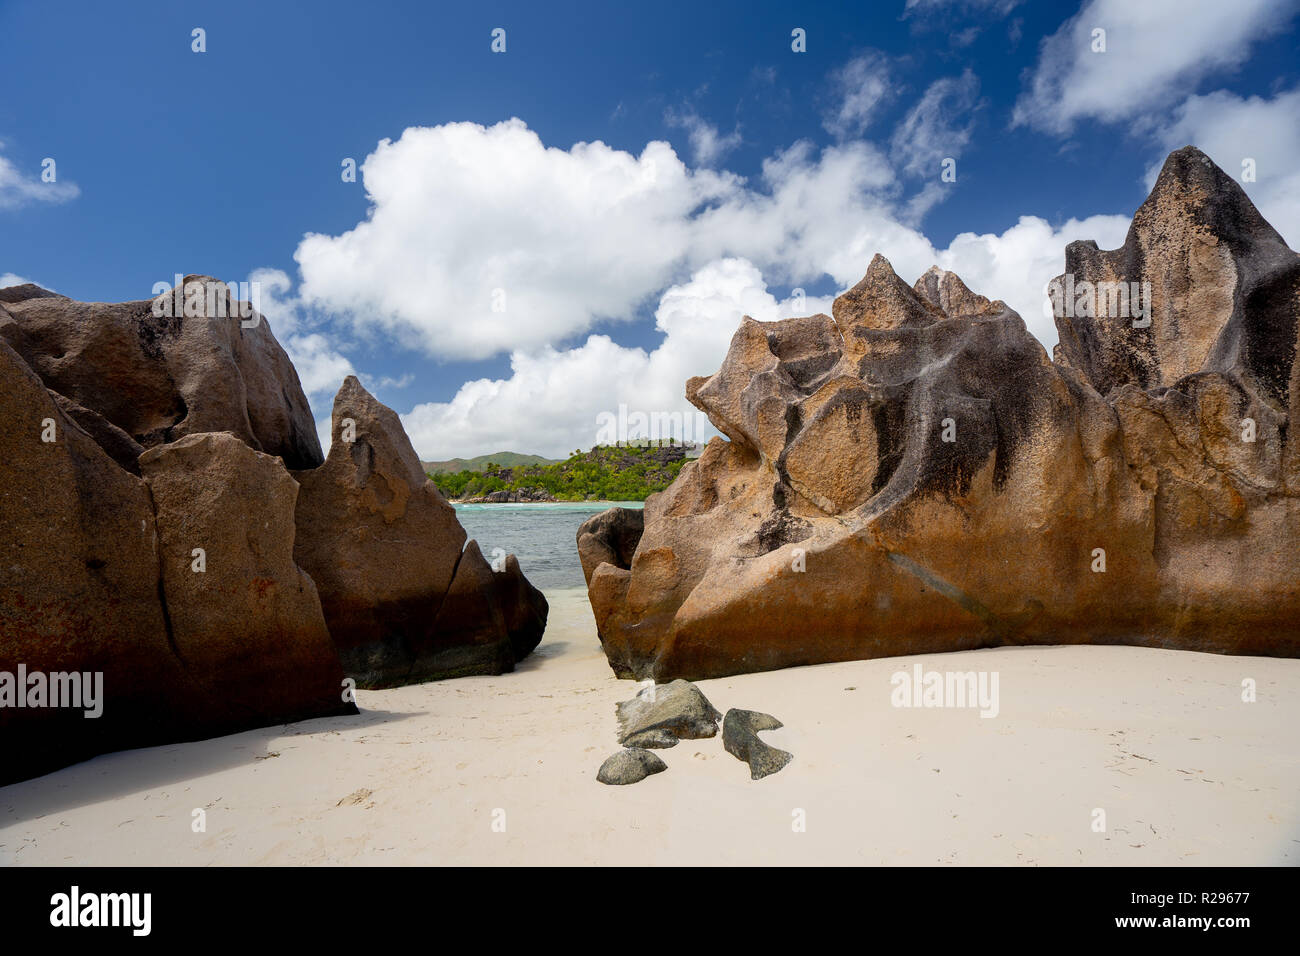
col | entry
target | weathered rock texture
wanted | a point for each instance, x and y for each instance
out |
(609, 538)
(740, 729)
(95, 578)
(402, 599)
(141, 433)
(659, 716)
(248, 625)
(914, 474)
(157, 372)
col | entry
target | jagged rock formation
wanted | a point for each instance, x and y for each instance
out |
(154, 534)
(402, 599)
(913, 474)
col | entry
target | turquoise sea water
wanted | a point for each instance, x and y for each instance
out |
(542, 536)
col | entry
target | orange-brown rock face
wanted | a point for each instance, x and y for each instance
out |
(157, 549)
(916, 475)
(153, 371)
(403, 601)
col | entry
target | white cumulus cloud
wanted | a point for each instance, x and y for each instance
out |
(321, 366)
(481, 239)
(554, 399)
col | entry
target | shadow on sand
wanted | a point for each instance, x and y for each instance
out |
(157, 768)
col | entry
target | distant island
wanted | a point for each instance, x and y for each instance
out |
(626, 471)
(500, 459)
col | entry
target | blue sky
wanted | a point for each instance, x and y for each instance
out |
(501, 287)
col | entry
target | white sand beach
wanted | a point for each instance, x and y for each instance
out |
(1160, 740)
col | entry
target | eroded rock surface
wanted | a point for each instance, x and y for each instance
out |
(659, 716)
(182, 363)
(610, 537)
(156, 542)
(403, 601)
(914, 474)
(96, 581)
(245, 621)
(740, 729)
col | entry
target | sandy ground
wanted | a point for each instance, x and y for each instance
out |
(499, 770)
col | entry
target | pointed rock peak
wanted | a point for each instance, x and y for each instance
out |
(352, 389)
(882, 301)
(1189, 167)
(946, 291)
(361, 420)
(1191, 188)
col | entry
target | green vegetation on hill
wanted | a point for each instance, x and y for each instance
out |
(610, 473)
(501, 459)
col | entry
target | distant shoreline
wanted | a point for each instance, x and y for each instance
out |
(545, 504)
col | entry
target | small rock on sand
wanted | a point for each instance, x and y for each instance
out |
(630, 766)
(740, 738)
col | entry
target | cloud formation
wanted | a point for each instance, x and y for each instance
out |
(20, 189)
(1154, 52)
(482, 239)
(556, 397)
(707, 144)
(859, 88)
(938, 126)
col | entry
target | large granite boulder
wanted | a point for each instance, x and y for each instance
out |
(188, 361)
(157, 545)
(914, 474)
(404, 600)
(244, 619)
(524, 606)
(78, 583)
(92, 584)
